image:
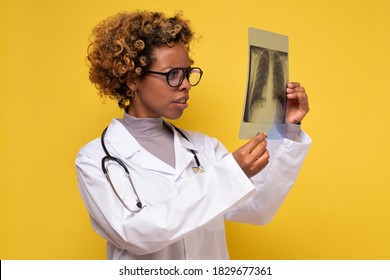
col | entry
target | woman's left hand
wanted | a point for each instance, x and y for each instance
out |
(297, 103)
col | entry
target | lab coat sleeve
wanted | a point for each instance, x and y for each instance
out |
(274, 182)
(193, 203)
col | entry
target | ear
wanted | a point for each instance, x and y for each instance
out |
(131, 83)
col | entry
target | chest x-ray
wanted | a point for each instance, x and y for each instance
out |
(265, 102)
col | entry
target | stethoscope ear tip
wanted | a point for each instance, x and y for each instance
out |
(139, 204)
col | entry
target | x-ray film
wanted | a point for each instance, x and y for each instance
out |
(265, 101)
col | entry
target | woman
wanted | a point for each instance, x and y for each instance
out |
(182, 184)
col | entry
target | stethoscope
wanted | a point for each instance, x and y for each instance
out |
(108, 157)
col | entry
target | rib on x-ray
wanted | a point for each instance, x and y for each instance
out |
(265, 100)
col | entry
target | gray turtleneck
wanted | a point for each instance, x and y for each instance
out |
(153, 136)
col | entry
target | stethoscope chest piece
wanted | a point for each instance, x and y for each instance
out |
(198, 169)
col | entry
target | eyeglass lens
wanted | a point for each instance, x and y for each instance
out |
(176, 76)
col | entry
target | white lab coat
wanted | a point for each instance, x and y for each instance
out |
(185, 212)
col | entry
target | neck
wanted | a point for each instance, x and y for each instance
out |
(133, 112)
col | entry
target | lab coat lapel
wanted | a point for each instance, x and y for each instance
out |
(183, 154)
(149, 161)
(129, 150)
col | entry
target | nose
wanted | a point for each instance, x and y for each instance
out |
(185, 85)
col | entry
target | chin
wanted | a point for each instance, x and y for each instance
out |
(173, 116)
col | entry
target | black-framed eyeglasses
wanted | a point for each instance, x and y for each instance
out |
(175, 76)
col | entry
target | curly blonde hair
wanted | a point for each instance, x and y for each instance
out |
(122, 44)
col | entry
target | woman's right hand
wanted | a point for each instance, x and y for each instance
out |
(253, 156)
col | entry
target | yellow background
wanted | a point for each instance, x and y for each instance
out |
(339, 50)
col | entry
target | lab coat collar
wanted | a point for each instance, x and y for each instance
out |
(121, 140)
(125, 146)
(183, 154)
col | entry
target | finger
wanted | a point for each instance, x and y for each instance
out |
(259, 150)
(298, 93)
(295, 89)
(301, 99)
(293, 85)
(301, 96)
(259, 164)
(254, 142)
(263, 160)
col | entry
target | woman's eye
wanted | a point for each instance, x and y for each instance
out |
(174, 74)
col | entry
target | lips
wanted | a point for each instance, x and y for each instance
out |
(182, 100)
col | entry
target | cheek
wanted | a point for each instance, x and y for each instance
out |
(156, 94)
(155, 98)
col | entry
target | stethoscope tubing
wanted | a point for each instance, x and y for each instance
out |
(108, 157)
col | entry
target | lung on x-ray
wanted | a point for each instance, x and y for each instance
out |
(265, 101)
